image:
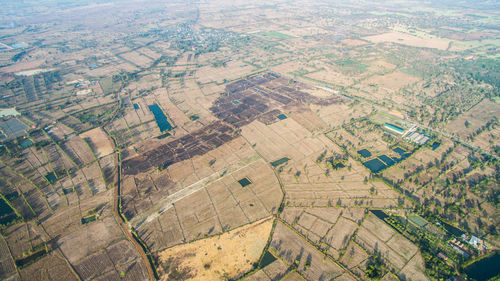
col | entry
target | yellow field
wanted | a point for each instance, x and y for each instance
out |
(99, 140)
(407, 39)
(226, 256)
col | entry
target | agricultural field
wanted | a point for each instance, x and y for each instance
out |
(237, 140)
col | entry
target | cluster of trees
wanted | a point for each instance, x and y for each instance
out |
(374, 267)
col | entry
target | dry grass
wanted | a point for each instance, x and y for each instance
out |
(99, 141)
(226, 256)
(407, 39)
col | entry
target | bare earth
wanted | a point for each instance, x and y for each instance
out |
(99, 140)
(407, 39)
(226, 256)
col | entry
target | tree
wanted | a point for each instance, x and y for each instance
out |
(374, 267)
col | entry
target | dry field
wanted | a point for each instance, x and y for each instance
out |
(292, 248)
(376, 235)
(233, 70)
(392, 82)
(228, 255)
(411, 40)
(98, 141)
(353, 42)
(333, 76)
(222, 205)
(477, 116)
(136, 59)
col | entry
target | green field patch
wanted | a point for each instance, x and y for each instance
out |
(351, 66)
(418, 220)
(275, 35)
(106, 85)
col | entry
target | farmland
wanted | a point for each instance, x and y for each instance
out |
(236, 140)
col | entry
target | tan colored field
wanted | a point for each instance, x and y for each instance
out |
(407, 39)
(22, 66)
(330, 75)
(353, 42)
(226, 256)
(99, 140)
(232, 70)
(393, 81)
(136, 58)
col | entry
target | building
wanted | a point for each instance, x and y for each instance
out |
(394, 128)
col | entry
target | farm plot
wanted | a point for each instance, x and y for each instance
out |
(220, 206)
(6, 263)
(78, 150)
(149, 53)
(136, 59)
(98, 141)
(285, 138)
(336, 114)
(354, 256)
(339, 235)
(52, 266)
(314, 223)
(189, 173)
(230, 254)
(59, 161)
(391, 82)
(295, 250)
(374, 235)
(332, 76)
(144, 83)
(177, 117)
(31, 193)
(94, 178)
(406, 39)
(74, 123)
(108, 168)
(232, 71)
(139, 193)
(307, 119)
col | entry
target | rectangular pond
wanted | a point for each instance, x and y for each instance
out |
(435, 145)
(387, 160)
(364, 153)
(161, 118)
(375, 165)
(399, 151)
(380, 214)
(244, 182)
(282, 117)
(51, 177)
(279, 161)
(7, 214)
